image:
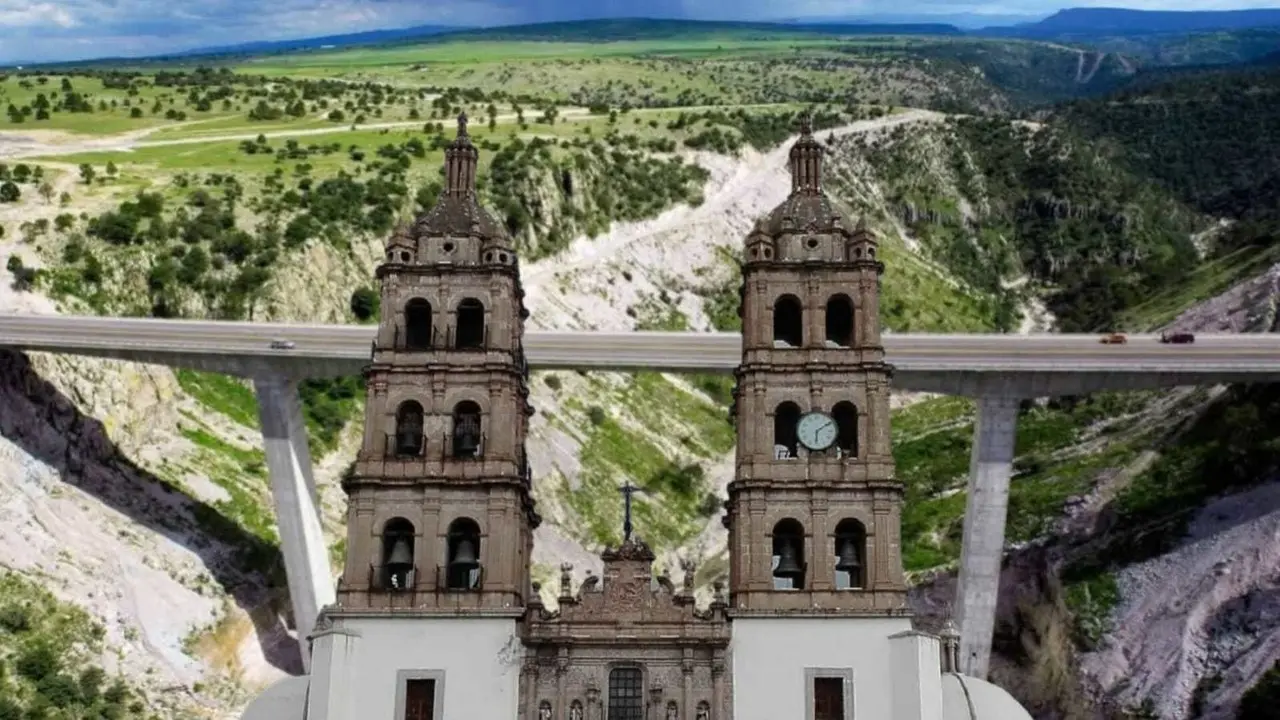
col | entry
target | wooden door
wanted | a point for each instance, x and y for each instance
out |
(828, 699)
(419, 700)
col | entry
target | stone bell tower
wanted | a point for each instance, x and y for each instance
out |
(440, 516)
(814, 510)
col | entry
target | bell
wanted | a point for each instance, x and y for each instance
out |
(787, 566)
(401, 558)
(848, 561)
(468, 442)
(465, 557)
(408, 443)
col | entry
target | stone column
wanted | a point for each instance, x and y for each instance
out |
(990, 467)
(293, 488)
(529, 690)
(686, 684)
(759, 575)
(821, 563)
(881, 571)
(562, 676)
(718, 711)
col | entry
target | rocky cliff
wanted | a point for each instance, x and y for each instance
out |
(139, 494)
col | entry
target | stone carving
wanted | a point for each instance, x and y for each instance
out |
(566, 579)
(704, 711)
(544, 711)
(664, 581)
(690, 569)
(575, 710)
(673, 711)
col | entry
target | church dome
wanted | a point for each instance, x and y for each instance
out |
(457, 213)
(966, 698)
(286, 700)
(807, 208)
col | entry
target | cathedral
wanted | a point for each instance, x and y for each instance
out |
(437, 616)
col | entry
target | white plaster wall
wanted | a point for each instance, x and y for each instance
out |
(770, 656)
(480, 658)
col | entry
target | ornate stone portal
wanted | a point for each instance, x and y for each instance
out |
(632, 648)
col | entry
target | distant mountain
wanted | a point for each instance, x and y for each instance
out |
(1103, 22)
(369, 37)
(964, 21)
(615, 29)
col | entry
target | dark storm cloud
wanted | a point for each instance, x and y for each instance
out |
(37, 30)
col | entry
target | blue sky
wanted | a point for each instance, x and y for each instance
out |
(42, 30)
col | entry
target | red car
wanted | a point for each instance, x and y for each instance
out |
(1177, 338)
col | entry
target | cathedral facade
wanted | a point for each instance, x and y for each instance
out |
(437, 616)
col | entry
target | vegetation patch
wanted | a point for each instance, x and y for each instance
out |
(617, 447)
(49, 660)
(243, 475)
(932, 444)
(226, 394)
(1229, 447)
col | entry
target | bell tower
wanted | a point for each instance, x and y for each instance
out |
(814, 510)
(440, 517)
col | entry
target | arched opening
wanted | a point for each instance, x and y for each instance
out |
(470, 332)
(467, 436)
(462, 568)
(626, 694)
(840, 321)
(417, 323)
(851, 554)
(846, 417)
(788, 555)
(397, 555)
(788, 321)
(785, 440)
(409, 428)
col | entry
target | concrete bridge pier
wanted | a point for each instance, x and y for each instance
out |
(990, 467)
(293, 488)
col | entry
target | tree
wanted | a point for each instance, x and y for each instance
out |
(23, 276)
(87, 173)
(111, 169)
(1259, 702)
(46, 192)
(9, 192)
(365, 303)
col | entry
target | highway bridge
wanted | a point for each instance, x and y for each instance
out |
(997, 370)
(975, 365)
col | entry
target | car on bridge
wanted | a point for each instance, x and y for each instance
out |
(1114, 339)
(1177, 338)
(282, 345)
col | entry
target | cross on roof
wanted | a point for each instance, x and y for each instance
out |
(627, 491)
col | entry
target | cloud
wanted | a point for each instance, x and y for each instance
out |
(36, 30)
(19, 14)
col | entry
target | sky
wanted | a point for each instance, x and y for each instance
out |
(50, 30)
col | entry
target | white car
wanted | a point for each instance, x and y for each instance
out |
(282, 345)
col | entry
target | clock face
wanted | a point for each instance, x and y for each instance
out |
(816, 431)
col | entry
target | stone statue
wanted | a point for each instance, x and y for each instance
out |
(544, 711)
(704, 712)
(575, 711)
(673, 712)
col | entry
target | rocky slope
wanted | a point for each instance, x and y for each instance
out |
(140, 495)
